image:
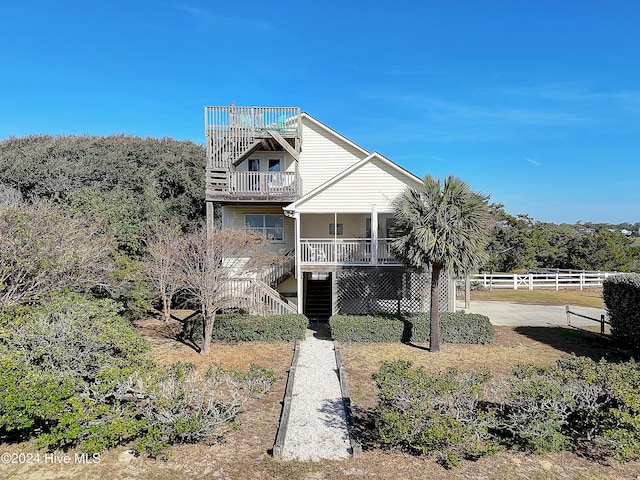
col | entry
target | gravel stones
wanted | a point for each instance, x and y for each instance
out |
(317, 427)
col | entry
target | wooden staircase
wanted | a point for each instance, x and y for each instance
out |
(318, 301)
(256, 297)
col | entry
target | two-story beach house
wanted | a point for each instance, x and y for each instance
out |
(321, 199)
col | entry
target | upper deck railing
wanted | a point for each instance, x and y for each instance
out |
(232, 130)
(282, 119)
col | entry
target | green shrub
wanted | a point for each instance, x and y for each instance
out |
(433, 412)
(536, 410)
(369, 328)
(63, 365)
(73, 372)
(184, 406)
(273, 328)
(454, 328)
(621, 295)
(571, 405)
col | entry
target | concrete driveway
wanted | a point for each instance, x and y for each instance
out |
(502, 313)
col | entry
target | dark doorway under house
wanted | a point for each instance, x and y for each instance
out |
(318, 297)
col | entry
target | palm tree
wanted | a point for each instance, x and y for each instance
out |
(441, 226)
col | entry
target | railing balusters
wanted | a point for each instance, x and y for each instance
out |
(344, 251)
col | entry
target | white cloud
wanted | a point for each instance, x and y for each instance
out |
(533, 161)
(232, 23)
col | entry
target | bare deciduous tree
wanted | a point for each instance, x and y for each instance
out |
(43, 249)
(160, 267)
(213, 267)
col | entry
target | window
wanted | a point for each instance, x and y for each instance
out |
(254, 165)
(270, 225)
(274, 164)
(390, 224)
(332, 229)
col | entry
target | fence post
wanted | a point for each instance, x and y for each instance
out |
(531, 281)
(581, 280)
(568, 313)
(467, 292)
(515, 281)
(557, 281)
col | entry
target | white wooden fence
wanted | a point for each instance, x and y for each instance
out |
(549, 279)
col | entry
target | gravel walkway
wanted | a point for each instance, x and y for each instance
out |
(317, 426)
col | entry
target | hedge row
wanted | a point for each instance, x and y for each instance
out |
(577, 404)
(621, 295)
(250, 328)
(454, 328)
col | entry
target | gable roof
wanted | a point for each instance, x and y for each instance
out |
(332, 132)
(401, 174)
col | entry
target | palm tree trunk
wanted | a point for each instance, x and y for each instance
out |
(434, 330)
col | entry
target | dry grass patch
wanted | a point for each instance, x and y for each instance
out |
(512, 346)
(591, 297)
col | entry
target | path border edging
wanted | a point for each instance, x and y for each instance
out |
(356, 447)
(278, 445)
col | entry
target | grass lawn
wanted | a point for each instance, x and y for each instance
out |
(591, 297)
(245, 452)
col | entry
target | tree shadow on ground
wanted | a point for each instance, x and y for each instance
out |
(574, 341)
(364, 428)
(321, 330)
(407, 335)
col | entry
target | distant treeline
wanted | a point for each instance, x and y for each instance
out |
(521, 243)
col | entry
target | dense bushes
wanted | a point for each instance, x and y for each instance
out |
(433, 412)
(454, 328)
(78, 194)
(621, 295)
(73, 372)
(576, 404)
(273, 328)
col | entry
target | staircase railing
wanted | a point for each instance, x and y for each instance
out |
(256, 297)
(276, 273)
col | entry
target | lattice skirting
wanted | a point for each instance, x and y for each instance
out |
(361, 290)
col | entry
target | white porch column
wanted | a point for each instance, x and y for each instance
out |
(335, 237)
(298, 256)
(374, 234)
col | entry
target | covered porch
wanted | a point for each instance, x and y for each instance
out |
(345, 238)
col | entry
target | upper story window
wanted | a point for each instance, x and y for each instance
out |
(265, 163)
(267, 224)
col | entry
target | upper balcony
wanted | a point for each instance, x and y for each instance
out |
(234, 134)
(253, 186)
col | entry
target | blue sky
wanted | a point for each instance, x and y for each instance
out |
(534, 103)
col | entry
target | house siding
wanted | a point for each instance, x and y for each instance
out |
(375, 183)
(323, 156)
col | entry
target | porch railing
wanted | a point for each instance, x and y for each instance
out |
(282, 119)
(345, 251)
(276, 273)
(264, 183)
